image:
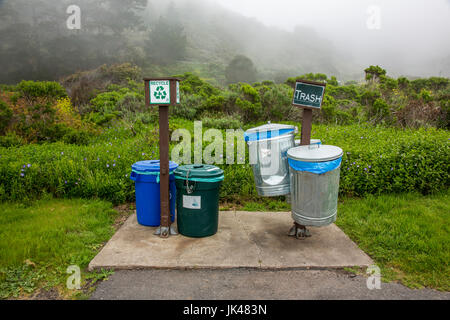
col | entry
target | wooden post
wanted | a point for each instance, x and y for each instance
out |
(306, 127)
(164, 161)
(147, 93)
(165, 229)
(302, 100)
(164, 167)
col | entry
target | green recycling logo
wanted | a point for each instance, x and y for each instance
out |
(160, 93)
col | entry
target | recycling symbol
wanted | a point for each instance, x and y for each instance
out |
(160, 93)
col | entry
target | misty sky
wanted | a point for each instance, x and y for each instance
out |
(412, 31)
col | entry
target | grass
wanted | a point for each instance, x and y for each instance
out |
(39, 242)
(406, 235)
(277, 204)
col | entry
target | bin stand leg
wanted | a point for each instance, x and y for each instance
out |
(299, 231)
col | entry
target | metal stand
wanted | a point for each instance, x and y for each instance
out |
(165, 232)
(298, 231)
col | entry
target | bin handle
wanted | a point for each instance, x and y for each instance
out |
(190, 189)
(314, 146)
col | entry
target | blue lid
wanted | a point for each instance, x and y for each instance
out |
(268, 131)
(151, 166)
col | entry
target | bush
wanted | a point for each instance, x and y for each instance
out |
(11, 140)
(374, 162)
(241, 69)
(82, 87)
(41, 91)
(188, 107)
(222, 122)
(380, 111)
(6, 115)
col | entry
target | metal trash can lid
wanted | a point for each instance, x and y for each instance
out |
(267, 131)
(199, 171)
(151, 166)
(315, 153)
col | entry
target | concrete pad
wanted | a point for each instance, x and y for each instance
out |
(244, 240)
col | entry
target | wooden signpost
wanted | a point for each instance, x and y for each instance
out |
(163, 92)
(309, 96)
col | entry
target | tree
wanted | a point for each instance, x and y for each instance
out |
(168, 42)
(374, 73)
(241, 69)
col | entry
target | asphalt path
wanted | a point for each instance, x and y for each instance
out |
(252, 284)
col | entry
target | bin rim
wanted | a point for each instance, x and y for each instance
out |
(315, 153)
(199, 172)
(268, 131)
(148, 166)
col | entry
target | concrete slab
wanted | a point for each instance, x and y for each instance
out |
(244, 240)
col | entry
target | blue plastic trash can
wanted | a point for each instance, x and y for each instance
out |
(145, 174)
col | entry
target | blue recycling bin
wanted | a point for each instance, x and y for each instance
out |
(145, 174)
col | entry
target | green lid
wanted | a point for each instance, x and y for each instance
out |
(199, 172)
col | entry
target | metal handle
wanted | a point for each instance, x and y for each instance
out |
(189, 189)
(314, 146)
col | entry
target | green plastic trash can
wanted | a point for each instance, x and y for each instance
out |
(198, 199)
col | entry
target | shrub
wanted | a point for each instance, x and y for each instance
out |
(40, 91)
(11, 139)
(241, 69)
(222, 121)
(188, 107)
(379, 111)
(374, 162)
(6, 115)
(425, 95)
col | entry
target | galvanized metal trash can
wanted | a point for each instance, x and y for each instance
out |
(314, 175)
(268, 146)
(198, 189)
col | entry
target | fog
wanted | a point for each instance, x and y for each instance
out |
(283, 38)
(413, 36)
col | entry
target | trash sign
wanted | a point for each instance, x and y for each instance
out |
(160, 92)
(308, 95)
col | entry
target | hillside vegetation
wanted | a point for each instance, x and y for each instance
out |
(81, 140)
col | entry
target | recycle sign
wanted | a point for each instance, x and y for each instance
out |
(160, 92)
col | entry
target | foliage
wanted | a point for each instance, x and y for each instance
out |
(82, 87)
(41, 112)
(40, 91)
(374, 163)
(374, 73)
(11, 139)
(220, 121)
(167, 43)
(241, 69)
(6, 115)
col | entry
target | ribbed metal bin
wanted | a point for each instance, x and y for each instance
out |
(314, 176)
(268, 146)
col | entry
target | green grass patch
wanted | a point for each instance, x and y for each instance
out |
(406, 235)
(39, 242)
